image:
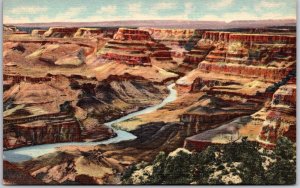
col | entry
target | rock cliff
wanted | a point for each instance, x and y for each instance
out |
(269, 58)
(60, 32)
(129, 46)
(280, 118)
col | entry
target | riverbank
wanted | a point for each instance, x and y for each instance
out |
(27, 153)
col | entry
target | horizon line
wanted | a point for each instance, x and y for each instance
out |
(220, 21)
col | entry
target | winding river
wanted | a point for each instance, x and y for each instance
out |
(29, 152)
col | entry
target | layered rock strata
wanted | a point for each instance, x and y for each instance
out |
(280, 118)
(60, 32)
(38, 32)
(50, 128)
(265, 60)
(129, 46)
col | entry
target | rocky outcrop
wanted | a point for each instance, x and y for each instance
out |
(226, 133)
(195, 56)
(38, 32)
(118, 95)
(60, 32)
(142, 59)
(248, 38)
(265, 73)
(129, 46)
(254, 56)
(281, 116)
(212, 111)
(16, 176)
(161, 53)
(178, 41)
(75, 59)
(173, 34)
(73, 166)
(88, 32)
(61, 54)
(132, 34)
(36, 112)
(56, 128)
(9, 29)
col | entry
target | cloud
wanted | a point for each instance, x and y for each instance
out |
(219, 4)
(164, 6)
(267, 5)
(70, 12)
(10, 20)
(137, 12)
(28, 10)
(228, 17)
(68, 15)
(136, 7)
(110, 9)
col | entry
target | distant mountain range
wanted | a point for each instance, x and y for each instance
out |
(170, 24)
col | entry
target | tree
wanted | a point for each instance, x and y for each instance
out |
(283, 170)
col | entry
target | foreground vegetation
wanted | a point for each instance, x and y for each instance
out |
(235, 163)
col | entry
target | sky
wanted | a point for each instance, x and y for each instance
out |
(37, 11)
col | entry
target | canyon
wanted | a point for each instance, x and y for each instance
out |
(197, 87)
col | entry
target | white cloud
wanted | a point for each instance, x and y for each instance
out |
(10, 20)
(267, 5)
(136, 7)
(219, 4)
(110, 9)
(28, 10)
(227, 17)
(135, 12)
(164, 6)
(70, 13)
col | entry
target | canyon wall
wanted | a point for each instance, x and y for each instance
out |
(25, 132)
(38, 32)
(249, 38)
(263, 57)
(129, 46)
(280, 117)
(60, 32)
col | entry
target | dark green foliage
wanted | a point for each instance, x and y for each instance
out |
(283, 170)
(275, 86)
(240, 159)
(171, 170)
(126, 176)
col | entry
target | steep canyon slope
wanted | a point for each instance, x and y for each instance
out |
(62, 85)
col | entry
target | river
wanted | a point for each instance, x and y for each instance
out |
(29, 152)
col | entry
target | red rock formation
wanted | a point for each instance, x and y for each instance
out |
(262, 38)
(26, 132)
(88, 32)
(249, 38)
(60, 32)
(19, 78)
(216, 36)
(173, 34)
(128, 59)
(129, 46)
(281, 118)
(196, 55)
(14, 175)
(38, 32)
(271, 74)
(132, 34)
(196, 145)
(222, 134)
(161, 52)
